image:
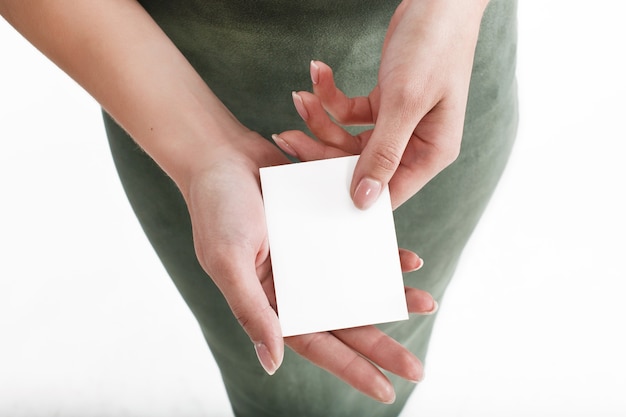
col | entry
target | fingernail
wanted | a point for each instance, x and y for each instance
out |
(418, 380)
(315, 73)
(285, 146)
(433, 310)
(366, 193)
(416, 374)
(418, 266)
(265, 357)
(387, 396)
(297, 101)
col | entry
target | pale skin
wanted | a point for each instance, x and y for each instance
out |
(118, 54)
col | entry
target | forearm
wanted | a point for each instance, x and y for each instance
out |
(122, 58)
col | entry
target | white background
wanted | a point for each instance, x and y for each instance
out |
(533, 324)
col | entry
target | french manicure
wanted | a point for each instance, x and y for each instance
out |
(421, 264)
(265, 357)
(284, 145)
(366, 193)
(297, 101)
(315, 73)
(418, 266)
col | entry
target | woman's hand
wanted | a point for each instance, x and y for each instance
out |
(418, 105)
(230, 236)
(177, 120)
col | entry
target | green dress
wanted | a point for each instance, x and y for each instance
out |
(252, 54)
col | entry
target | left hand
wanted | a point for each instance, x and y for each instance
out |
(417, 107)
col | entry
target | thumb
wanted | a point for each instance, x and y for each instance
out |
(381, 156)
(250, 306)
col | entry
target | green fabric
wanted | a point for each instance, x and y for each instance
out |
(253, 54)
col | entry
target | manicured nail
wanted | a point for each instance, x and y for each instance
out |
(265, 357)
(415, 374)
(282, 144)
(315, 73)
(433, 310)
(366, 193)
(387, 396)
(297, 101)
(417, 381)
(418, 265)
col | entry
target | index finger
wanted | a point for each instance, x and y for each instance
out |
(345, 110)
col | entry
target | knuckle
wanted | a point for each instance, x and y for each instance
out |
(249, 318)
(241, 315)
(449, 154)
(386, 157)
(217, 261)
(408, 93)
(380, 345)
(308, 346)
(349, 364)
(342, 114)
(410, 97)
(221, 258)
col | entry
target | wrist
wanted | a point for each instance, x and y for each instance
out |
(467, 11)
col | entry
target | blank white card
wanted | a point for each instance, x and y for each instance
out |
(334, 266)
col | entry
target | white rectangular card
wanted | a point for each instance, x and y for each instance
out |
(334, 266)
